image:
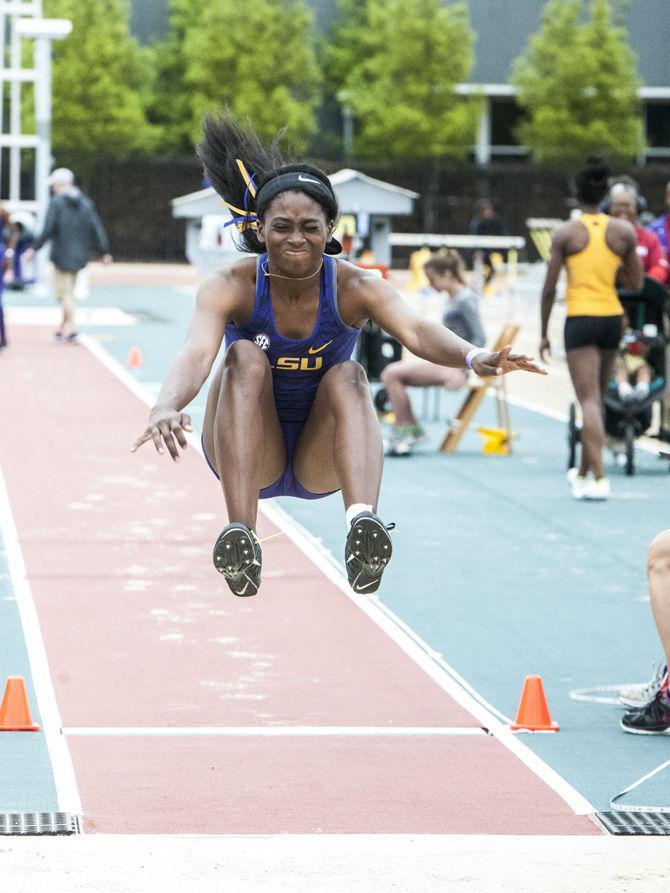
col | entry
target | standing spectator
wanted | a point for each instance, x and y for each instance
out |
(625, 203)
(661, 226)
(4, 234)
(486, 223)
(75, 230)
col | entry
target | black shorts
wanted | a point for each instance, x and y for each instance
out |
(593, 331)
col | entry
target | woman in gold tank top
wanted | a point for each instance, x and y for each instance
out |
(595, 249)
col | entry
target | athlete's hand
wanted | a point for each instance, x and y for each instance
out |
(166, 426)
(503, 361)
(545, 348)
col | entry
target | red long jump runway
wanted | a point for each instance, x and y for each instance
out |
(169, 687)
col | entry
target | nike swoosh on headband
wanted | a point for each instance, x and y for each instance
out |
(307, 180)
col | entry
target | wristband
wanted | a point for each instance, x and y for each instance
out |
(471, 354)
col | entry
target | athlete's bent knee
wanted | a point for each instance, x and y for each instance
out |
(247, 357)
(347, 374)
(390, 373)
(244, 351)
(658, 554)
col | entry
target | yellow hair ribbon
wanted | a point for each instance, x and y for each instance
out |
(233, 208)
(245, 176)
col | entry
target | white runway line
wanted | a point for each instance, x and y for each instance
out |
(65, 782)
(280, 731)
(412, 645)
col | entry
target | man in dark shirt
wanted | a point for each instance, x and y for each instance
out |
(74, 229)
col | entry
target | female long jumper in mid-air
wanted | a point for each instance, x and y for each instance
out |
(288, 412)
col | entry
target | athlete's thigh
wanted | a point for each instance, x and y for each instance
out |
(584, 367)
(419, 373)
(314, 457)
(264, 413)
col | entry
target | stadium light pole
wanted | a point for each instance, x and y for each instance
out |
(43, 31)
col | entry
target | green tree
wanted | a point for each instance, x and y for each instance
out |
(397, 63)
(169, 107)
(577, 82)
(259, 60)
(99, 79)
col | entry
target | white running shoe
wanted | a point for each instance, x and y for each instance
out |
(642, 693)
(598, 490)
(577, 483)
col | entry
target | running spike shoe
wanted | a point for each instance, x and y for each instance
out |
(367, 552)
(641, 693)
(652, 719)
(237, 555)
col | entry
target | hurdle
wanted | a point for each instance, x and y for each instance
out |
(509, 244)
(541, 231)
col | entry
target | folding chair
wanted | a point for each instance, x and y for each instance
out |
(475, 395)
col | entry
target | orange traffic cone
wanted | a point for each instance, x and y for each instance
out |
(135, 357)
(533, 712)
(14, 710)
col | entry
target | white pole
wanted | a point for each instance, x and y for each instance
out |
(15, 117)
(43, 151)
(483, 147)
(3, 28)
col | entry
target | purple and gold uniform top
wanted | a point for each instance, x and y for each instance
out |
(298, 365)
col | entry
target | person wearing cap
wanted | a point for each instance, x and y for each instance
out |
(74, 229)
(288, 413)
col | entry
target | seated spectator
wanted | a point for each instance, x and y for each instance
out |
(661, 226)
(653, 718)
(445, 272)
(632, 371)
(20, 240)
(625, 203)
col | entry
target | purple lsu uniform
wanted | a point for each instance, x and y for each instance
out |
(297, 365)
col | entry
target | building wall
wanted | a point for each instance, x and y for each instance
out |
(502, 28)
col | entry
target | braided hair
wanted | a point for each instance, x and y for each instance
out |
(239, 166)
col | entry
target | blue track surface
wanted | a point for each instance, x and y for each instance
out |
(495, 566)
(26, 781)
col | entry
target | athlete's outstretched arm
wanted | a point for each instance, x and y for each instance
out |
(379, 301)
(189, 371)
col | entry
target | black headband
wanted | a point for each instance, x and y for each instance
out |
(305, 182)
(293, 180)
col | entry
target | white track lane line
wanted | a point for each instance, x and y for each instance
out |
(280, 731)
(421, 654)
(67, 793)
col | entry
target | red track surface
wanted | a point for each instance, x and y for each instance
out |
(140, 631)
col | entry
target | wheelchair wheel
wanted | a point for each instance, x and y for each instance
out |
(573, 436)
(629, 439)
(382, 402)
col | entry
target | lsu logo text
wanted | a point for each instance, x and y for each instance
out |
(299, 364)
